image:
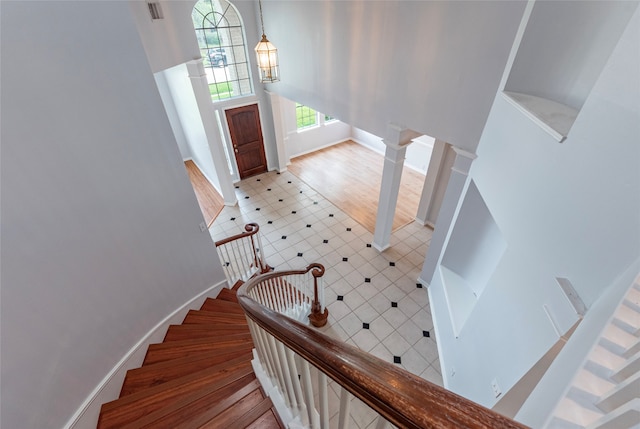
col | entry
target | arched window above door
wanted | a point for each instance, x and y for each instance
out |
(220, 34)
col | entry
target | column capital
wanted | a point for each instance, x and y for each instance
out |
(399, 135)
(463, 161)
(196, 68)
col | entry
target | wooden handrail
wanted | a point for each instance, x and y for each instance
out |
(402, 398)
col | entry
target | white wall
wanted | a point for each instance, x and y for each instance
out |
(433, 66)
(100, 226)
(564, 210)
(173, 115)
(418, 152)
(311, 139)
(180, 93)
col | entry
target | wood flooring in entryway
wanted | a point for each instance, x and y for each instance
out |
(209, 200)
(349, 175)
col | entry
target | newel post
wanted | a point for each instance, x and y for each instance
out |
(317, 317)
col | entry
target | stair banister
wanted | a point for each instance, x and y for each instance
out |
(241, 254)
(398, 396)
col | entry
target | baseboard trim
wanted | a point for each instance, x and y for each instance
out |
(87, 414)
(306, 152)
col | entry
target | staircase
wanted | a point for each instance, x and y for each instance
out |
(605, 394)
(200, 376)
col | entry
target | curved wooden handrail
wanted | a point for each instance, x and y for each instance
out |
(402, 398)
(250, 228)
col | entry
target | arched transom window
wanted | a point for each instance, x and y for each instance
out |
(221, 39)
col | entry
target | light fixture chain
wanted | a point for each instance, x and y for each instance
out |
(261, 20)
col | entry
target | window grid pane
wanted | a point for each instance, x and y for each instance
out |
(305, 116)
(222, 46)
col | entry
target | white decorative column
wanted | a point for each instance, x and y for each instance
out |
(200, 87)
(434, 182)
(397, 140)
(279, 129)
(456, 189)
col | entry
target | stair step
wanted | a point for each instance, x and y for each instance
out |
(219, 305)
(178, 349)
(632, 299)
(569, 410)
(630, 367)
(126, 410)
(268, 420)
(185, 411)
(227, 295)
(621, 394)
(240, 414)
(628, 319)
(196, 330)
(162, 372)
(632, 350)
(592, 383)
(199, 316)
(617, 339)
(625, 417)
(605, 359)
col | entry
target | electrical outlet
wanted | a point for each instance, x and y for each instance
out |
(203, 226)
(496, 388)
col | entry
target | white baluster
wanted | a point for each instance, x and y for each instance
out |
(323, 400)
(308, 392)
(295, 381)
(345, 410)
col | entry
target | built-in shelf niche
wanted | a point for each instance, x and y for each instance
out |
(473, 252)
(563, 49)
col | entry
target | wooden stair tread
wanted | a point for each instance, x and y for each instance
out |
(178, 349)
(199, 316)
(185, 411)
(201, 330)
(219, 305)
(162, 372)
(228, 295)
(268, 420)
(236, 413)
(131, 407)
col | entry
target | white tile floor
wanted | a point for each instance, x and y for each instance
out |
(373, 299)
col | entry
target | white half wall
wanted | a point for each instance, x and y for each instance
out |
(100, 225)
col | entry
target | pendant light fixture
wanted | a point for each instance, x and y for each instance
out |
(267, 57)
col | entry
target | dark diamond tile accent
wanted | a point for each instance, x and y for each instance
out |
(394, 304)
(270, 222)
(269, 189)
(257, 180)
(299, 254)
(345, 259)
(257, 209)
(419, 285)
(233, 218)
(294, 212)
(397, 359)
(368, 244)
(281, 200)
(237, 187)
(300, 191)
(426, 334)
(330, 214)
(278, 173)
(288, 181)
(365, 326)
(308, 225)
(226, 264)
(247, 197)
(325, 241)
(315, 203)
(284, 237)
(367, 280)
(340, 298)
(392, 264)
(348, 229)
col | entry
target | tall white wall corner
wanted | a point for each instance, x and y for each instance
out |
(454, 195)
(280, 130)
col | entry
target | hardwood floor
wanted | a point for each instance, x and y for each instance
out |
(349, 175)
(210, 201)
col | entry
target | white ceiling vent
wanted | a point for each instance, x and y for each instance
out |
(155, 10)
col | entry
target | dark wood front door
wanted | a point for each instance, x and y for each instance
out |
(246, 137)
